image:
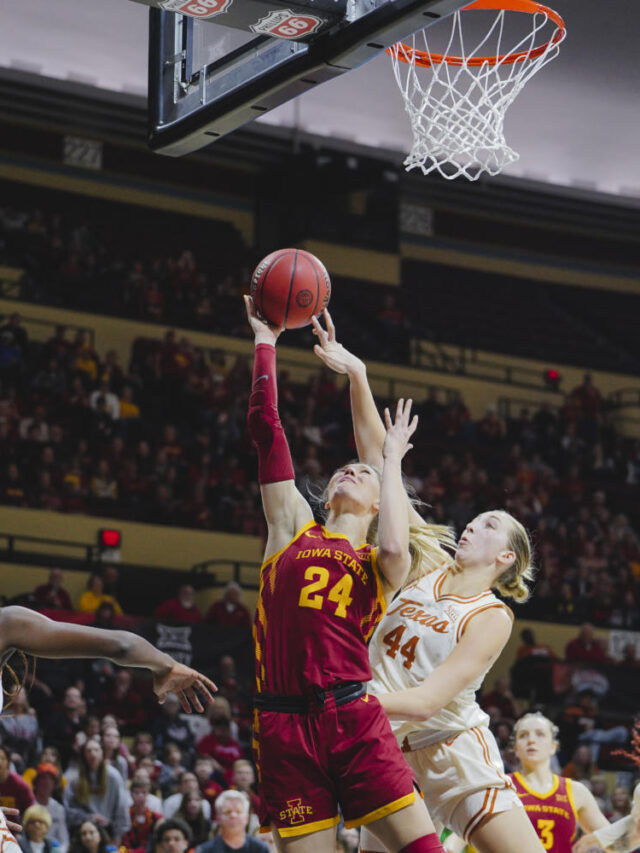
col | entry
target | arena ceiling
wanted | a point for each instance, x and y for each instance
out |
(577, 124)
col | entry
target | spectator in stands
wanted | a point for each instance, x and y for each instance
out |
(111, 750)
(203, 767)
(129, 409)
(103, 485)
(94, 596)
(141, 817)
(243, 778)
(52, 595)
(19, 731)
(180, 610)
(584, 647)
(581, 766)
(220, 745)
(152, 801)
(172, 769)
(232, 815)
(16, 331)
(99, 792)
(620, 803)
(14, 791)
(170, 727)
(111, 401)
(192, 813)
(230, 611)
(173, 836)
(45, 782)
(529, 647)
(36, 834)
(125, 703)
(188, 782)
(83, 357)
(502, 698)
(14, 489)
(91, 837)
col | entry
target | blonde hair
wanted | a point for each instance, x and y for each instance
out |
(511, 583)
(555, 731)
(36, 812)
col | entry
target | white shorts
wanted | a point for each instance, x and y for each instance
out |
(8, 844)
(463, 781)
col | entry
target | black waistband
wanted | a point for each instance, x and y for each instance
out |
(303, 704)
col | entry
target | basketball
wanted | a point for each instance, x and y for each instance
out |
(289, 287)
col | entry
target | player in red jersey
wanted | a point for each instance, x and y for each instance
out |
(320, 741)
(555, 805)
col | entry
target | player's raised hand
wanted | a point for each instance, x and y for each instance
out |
(396, 442)
(264, 333)
(189, 685)
(328, 350)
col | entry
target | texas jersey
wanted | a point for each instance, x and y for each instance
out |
(418, 633)
(552, 813)
(319, 601)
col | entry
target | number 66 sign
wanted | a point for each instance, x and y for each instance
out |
(285, 24)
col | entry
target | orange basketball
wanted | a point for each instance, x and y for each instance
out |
(289, 287)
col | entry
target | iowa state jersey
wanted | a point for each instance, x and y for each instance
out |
(552, 813)
(418, 633)
(319, 601)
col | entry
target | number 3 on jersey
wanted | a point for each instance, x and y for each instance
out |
(311, 596)
(408, 650)
(545, 831)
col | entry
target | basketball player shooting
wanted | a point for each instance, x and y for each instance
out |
(321, 743)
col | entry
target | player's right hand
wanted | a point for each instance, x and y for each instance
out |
(328, 349)
(264, 333)
(189, 685)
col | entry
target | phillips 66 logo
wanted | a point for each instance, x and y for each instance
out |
(285, 24)
(197, 8)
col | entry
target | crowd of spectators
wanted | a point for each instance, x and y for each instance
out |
(74, 769)
(110, 267)
(164, 440)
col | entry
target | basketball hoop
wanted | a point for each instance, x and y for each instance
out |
(457, 100)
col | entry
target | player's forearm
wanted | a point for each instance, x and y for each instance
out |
(37, 635)
(393, 524)
(368, 428)
(623, 836)
(426, 699)
(266, 431)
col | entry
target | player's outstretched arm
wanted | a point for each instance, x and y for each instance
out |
(393, 525)
(367, 424)
(285, 509)
(368, 428)
(480, 646)
(35, 634)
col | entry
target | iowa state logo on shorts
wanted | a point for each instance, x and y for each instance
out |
(197, 8)
(296, 812)
(285, 24)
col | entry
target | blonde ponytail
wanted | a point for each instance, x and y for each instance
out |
(511, 583)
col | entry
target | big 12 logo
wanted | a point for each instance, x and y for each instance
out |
(285, 24)
(197, 8)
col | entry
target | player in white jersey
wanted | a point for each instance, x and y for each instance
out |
(31, 633)
(433, 647)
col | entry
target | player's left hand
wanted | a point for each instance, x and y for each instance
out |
(586, 843)
(189, 686)
(13, 827)
(396, 442)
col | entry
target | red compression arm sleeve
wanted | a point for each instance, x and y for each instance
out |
(265, 429)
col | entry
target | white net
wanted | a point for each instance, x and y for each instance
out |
(457, 108)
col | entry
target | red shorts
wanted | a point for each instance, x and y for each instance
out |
(308, 764)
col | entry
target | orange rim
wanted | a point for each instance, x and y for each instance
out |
(425, 59)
